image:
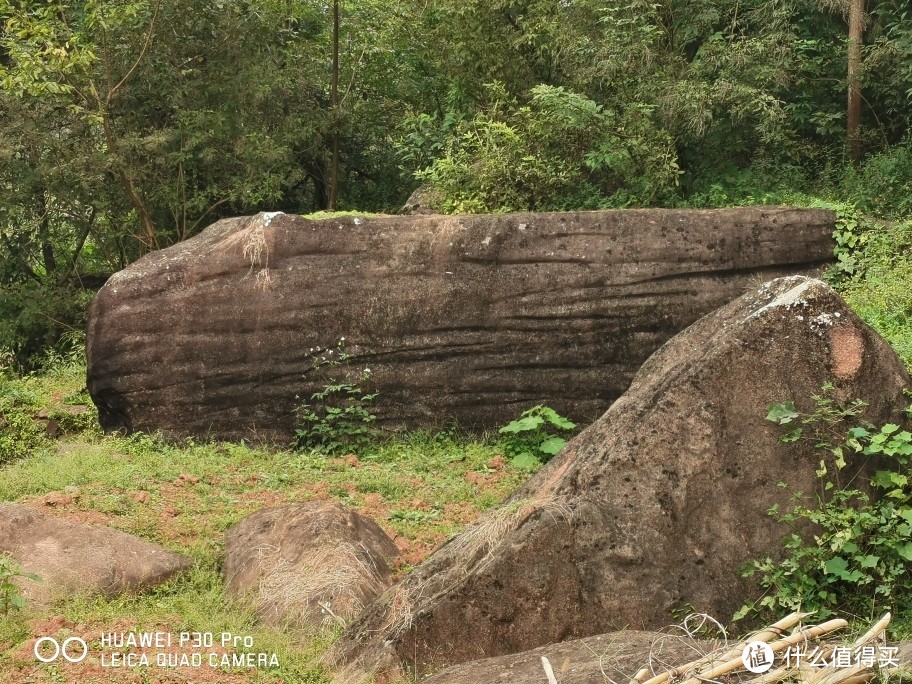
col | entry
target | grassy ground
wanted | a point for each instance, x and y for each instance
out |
(420, 488)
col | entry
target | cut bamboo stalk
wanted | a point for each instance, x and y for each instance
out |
(880, 626)
(640, 676)
(772, 676)
(805, 634)
(860, 679)
(776, 629)
(825, 677)
(837, 676)
(765, 635)
(549, 672)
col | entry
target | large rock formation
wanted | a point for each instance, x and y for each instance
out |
(653, 508)
(618, 655)
(474, 318)
(308, 564)
(74, 557)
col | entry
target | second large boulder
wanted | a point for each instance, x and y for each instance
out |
(71, 557)
(656, 506)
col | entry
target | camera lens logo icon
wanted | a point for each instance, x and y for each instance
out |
(73, 650)
(757, 657)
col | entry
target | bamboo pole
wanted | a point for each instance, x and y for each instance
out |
(802, 635)
(841, 675)
(765, 635)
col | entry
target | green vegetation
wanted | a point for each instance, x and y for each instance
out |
(337, 418)
(529, 440)
(851, 551)
(20, 435)
(10, 597)
(338, 421)
(560, 151)
(881, 295)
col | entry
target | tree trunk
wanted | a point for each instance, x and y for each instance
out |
(334, 101)
(44, 237)
(149, 239)
(856, 38)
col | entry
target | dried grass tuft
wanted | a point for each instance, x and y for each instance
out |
(479, 542)
(473, 550)
(254, 247)
(332, 586)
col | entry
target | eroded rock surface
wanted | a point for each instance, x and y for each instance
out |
(308, 564)
(618, 655)
(657, 505)
(473, 318)
(74, 557)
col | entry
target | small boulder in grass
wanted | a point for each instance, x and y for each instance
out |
(308, 564)
(71, 557)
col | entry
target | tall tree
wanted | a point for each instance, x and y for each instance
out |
(336, 117)
(854, 13)
(856, 40)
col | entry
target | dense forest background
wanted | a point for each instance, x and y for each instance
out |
(129, 125)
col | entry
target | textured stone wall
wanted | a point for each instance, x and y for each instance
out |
(466, 318)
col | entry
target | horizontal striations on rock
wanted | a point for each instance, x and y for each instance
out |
(655, 507)
(472, 318)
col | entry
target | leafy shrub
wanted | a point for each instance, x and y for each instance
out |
(853, 548)
(35, 317)
(559, 151)
(20, 434)
(529, 438)
(338, 417)
(882, 185)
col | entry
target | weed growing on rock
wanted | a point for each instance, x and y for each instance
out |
(529, 439)
(338, 417)
(10, 598)
(851, 235)
(851, 550)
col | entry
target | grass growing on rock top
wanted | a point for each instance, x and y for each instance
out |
(421, 488)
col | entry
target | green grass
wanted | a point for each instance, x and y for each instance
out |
(186, 496)
(882, 296)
